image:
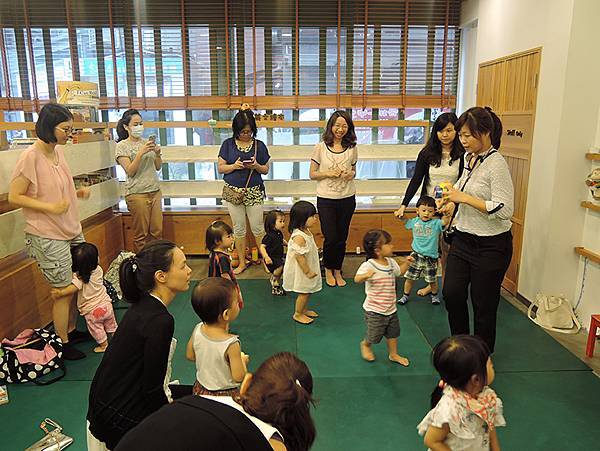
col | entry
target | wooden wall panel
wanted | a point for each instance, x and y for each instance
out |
(24, 293)
(509, 86)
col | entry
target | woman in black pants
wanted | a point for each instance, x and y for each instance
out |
(333, 166)
(482, 245)
(441, 160)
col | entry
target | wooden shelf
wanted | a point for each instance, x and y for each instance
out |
(593, 156)
(588, 254)
(590, 205)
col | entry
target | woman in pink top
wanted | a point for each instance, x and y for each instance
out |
(42, 185)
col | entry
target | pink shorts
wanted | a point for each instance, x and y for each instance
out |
(101, 321)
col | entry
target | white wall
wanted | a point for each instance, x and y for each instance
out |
(567, 113)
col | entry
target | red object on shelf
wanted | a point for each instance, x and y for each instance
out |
(591, 341)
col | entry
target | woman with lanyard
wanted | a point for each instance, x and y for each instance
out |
(42, 185)
(333, 166)
(441, 160)
(243, 160)
(482, 242)
(140, 159)
(129, 384)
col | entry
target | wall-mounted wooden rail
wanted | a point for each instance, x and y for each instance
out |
(588, 254)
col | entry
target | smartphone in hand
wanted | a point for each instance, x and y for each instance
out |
(152, 138)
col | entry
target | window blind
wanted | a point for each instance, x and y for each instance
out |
(217, 54)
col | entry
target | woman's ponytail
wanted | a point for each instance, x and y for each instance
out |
(496, 135)
(122, 133)
(127, 280)
(137, 274)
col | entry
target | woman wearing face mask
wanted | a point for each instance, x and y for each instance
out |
(42, 185)
(140, 158)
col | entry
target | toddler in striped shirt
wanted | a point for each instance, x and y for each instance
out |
(379, 273)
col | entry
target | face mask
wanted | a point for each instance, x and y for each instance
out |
(137, 130)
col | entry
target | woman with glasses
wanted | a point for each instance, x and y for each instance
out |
(42, 185)
(333, 166)
(243, 160)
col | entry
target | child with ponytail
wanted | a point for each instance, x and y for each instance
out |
(465, 411)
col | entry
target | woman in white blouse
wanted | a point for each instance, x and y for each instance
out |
(482, 242)
(333, 166)
(440, 161)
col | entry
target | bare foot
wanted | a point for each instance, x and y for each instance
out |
(302, 318)
(311, 313)
(240, 269)
(339, 280)
(329, 279)
(398, 359)
(100, 349)
(366, 352)
(424, 291)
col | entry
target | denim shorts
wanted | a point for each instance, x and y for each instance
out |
(53, 257)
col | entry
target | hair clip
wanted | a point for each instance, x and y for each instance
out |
(299, 384)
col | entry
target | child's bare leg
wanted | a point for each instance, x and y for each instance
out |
(408, 285)
(392, 344)
(101, 346)
(299, 315)
(433, 288)
(424, 291)
(366, 352)
(435, 299)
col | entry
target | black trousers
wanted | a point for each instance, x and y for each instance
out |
(335, 216)
(479, 262)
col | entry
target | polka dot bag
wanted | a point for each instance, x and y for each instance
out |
(31, 355)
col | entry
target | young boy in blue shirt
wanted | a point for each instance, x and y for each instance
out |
(426, 230)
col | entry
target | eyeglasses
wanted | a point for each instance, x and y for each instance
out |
(66, 131)
(246, 132)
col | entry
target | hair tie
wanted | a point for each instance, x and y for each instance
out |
(134, 265)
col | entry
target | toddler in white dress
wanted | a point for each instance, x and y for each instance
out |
(301, 272)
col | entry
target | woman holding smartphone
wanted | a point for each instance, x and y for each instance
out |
(141, 159)
(243, 160)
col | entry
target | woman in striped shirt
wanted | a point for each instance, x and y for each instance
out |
(482, 243)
